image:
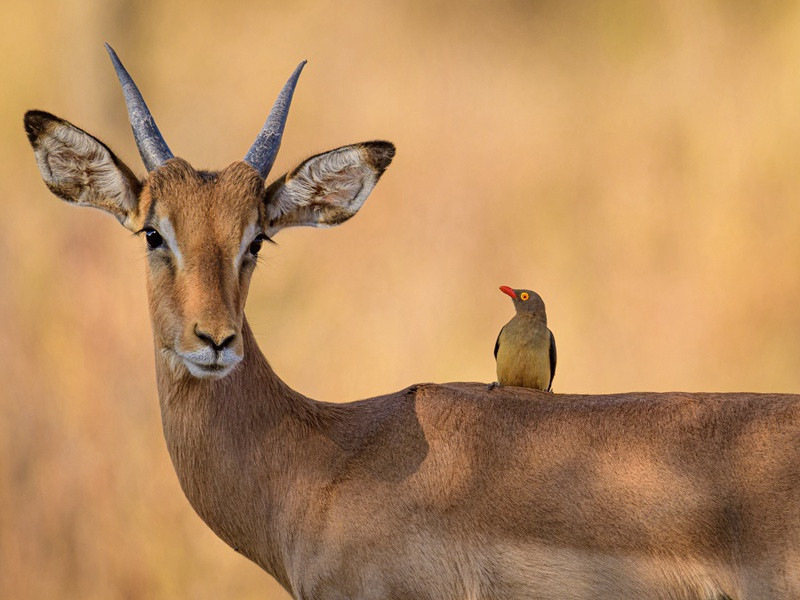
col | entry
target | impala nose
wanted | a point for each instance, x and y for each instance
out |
(218, 342)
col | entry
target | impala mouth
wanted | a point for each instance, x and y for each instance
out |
(203, 364)
(212, 370)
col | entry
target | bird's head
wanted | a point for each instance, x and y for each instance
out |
(526, 301)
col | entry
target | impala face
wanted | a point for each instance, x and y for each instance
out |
(203, 230)
(203, 233)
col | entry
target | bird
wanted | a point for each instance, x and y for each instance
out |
(525, 349)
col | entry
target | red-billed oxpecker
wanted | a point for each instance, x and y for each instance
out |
(526, 349)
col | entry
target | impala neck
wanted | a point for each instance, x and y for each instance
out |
(235, 443)
(251, 391)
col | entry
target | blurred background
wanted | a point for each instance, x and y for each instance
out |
(637, 164)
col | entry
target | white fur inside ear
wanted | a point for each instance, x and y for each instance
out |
(325, 190)
(81, 170)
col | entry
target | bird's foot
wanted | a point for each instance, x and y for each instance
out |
(492, 385)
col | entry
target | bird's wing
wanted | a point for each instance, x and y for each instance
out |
(497, 343)
(552, 360)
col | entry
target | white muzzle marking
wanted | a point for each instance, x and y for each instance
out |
(208, 363)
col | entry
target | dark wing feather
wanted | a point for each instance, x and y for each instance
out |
(497, 343)
(552, 360)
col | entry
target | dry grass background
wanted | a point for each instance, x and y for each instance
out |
(636, 163)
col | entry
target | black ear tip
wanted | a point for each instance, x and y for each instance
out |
(36, 122)
(381, 154)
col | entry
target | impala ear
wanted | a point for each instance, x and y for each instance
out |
(328, 188)
(79, 168)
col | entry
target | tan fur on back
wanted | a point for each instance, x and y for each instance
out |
(447, 491)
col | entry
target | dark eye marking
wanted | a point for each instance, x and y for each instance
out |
(154, 239)
(255, 245)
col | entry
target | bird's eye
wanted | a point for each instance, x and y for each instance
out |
(524, 296)
(255, 245)
(154, 239)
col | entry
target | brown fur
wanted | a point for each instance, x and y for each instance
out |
(450, 491)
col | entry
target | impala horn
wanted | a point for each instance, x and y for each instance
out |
(152, 147)
(262, 153)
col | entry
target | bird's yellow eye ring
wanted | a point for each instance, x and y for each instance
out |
(524, 296)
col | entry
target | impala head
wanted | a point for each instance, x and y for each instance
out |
(202, 230)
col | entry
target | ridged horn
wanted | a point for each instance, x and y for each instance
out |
(264, 150)
(152, 147)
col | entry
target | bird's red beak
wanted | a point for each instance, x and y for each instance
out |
(507, 290)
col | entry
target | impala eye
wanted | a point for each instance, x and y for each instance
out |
(255, 245)
(154, 239)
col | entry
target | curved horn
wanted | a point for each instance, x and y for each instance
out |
(262, 153)
(152, 147)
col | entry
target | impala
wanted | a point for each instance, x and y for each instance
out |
(436, 491)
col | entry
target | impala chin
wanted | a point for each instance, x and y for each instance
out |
(209, 371)
(207, 364)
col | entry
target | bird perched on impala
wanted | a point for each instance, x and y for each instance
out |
(525, 349)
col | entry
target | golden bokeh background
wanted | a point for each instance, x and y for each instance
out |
(638, 164)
